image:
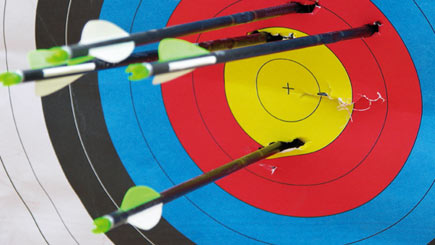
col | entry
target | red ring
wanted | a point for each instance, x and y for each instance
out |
(313, 184)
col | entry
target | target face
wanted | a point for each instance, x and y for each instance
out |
(364, 107)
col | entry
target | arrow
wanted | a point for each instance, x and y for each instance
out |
(110, 43)
(176, 49)
(142, 206)
(52, 79)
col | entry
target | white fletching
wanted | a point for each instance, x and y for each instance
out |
(166, 77)
(102, 30)
(148, 218)
(49, 86)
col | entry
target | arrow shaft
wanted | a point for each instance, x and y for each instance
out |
(142, 38)
(222, 171)
(145, 56)
(60, 71)
(94, 65)
(120, 217)
(258, 50)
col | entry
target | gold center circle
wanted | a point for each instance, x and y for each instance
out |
(304, 93)
(283, 98)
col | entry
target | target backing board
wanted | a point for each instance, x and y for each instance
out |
(365, 108)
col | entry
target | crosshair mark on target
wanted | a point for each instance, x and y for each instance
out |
(287, 107)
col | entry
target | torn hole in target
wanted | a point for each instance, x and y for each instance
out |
(360, 103)
(364, 103)
(271, 168)
(276, 34)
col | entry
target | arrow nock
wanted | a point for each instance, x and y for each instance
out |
(10, 78)
(137, 72)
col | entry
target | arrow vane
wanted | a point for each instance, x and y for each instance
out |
(142, 206)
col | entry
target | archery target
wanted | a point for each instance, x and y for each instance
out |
(341, 192)
(368, 80)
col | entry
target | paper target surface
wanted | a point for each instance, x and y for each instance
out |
(365, 176)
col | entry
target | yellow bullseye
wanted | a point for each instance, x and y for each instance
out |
(302, 93)
(281, 98)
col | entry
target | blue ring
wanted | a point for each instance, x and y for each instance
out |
(153, 155)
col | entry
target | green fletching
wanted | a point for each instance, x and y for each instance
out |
(43, 58)
(10, 78)
(102, 225)
(138, 195)
(58, 56)
(38, 59)
(138, 72)
(174, 49)
(80, 60)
